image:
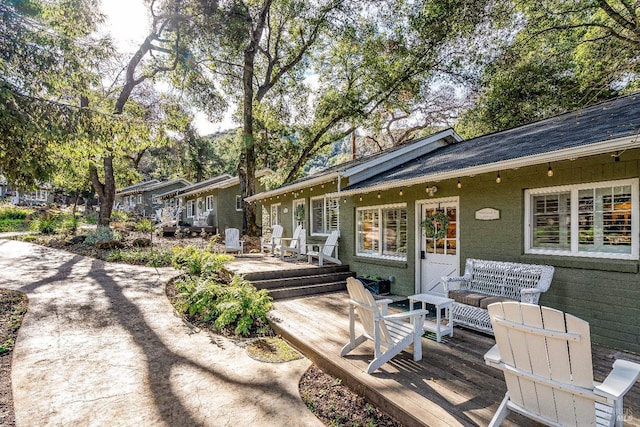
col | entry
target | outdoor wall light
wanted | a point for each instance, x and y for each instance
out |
(459, 185)
(498, 179)
(401, 193)
(549, 170)
(360, 197)
(379, 196)
(431, 190)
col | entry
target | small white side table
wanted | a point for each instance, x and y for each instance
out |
(441, 303)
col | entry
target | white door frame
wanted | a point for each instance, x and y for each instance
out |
(419, 233)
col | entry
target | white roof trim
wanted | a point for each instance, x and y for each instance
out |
(628, 142)
(293, 187)
(230, 182)
(399, 156)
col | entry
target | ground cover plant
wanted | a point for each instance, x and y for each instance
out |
(209, 295)
(13, 218)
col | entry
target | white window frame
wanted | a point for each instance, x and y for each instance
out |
(326, 229)
(380, 230)
(274, 214)
(191, 204)
(294, 208)
(208, 203)
(238, 203)
(574, 229)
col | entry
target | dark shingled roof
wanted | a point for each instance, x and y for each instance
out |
(601, 122)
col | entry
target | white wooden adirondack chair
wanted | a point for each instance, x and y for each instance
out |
(295, 244)
(232, 242)
(269, 244)
(545, 355)
(326, 250)
(390, 331)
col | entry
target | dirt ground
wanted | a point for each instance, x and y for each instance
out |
(333, 403)
(13, 305)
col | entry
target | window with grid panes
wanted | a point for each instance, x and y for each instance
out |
(381, 231)
(584, 220)
(325, 214)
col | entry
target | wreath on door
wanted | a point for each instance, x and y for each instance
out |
(429, 225)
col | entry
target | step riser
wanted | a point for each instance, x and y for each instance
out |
(283, 293)
(284, 274)
(300, 281)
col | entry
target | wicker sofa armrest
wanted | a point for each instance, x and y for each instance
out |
(451, 283)
(530, 295)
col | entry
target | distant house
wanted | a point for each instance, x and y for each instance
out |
(5, 189)
(216, 202)
(174, 200)
(43, 194)
(140, 197)
(562, 191)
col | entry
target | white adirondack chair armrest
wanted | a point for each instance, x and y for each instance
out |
(530, 295)
(492, 357)
(406, 314)
(623, 376)
(384, 305)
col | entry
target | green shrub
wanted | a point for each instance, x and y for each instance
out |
(102, 234)
(7, 225)
(45, 225)
(68, 224)
(198, 262)
(237, 305)
(152, 258)
(14, 212)
(119, 216)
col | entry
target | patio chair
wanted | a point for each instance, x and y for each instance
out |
(390, 331)
(232, 242)
(269, 244)
(295, 245)
(545, 355)
(325, 251)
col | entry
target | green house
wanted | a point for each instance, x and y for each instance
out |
(562, 191)
(215, 202)
(142, 197)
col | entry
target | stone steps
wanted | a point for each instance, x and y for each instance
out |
(301, 282)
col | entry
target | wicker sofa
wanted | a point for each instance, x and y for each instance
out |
(485, 282)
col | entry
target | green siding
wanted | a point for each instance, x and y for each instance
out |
(604, 292)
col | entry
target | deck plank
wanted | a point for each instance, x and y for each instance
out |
(450, 386)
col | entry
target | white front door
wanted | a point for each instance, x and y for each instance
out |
(439, 256)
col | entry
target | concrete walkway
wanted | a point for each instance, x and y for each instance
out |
(101, 346)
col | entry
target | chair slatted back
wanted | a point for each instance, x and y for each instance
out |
(232, 238)
(331, 242)
(296, 236)
(544, 350)
(367, 309)
(303, 241)
(276, 234)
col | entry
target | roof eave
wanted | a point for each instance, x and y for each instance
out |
(293, 187)
(618, 144)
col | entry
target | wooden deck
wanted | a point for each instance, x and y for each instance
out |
(451, 386)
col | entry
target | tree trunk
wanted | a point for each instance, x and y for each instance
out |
(106, 192)
(247, 164)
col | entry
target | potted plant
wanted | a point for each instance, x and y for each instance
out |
(376, 284)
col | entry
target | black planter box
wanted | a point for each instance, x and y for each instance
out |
(376, 287)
